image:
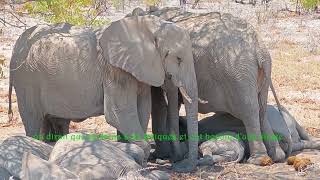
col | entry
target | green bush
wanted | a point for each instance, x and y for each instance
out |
(309, 4)
(151, 2)
(76, 12)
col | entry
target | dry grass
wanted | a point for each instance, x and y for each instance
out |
(291, 71)
(296, 77)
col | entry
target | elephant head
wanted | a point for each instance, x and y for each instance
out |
(153, 50)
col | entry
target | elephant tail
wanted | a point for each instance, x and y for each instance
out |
(10, 112)
(276, 98)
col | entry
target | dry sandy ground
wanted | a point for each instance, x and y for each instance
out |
(293, 42)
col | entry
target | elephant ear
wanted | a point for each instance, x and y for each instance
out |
(34, 167)
(130, 45)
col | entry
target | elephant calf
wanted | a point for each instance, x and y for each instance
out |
(283, 124)
(73, 157)
(89, 159)
(224, 147)
(12, 150)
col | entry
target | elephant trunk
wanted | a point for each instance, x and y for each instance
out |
(189, 93)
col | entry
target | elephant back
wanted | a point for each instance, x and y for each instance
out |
(29, 37)
(102, 159)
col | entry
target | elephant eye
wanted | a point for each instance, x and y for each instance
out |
(179, 60)
(166, 54)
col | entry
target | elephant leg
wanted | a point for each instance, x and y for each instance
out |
(258, 151)
(159, 122)
(272, 144)
(302, 133)
(56, 127)
(121, 137)
(249, 114)
(311, 144)
(120, 100)
(30, 110)
(301, 145)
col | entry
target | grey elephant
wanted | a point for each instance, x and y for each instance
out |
(223, 147)
(63, 72)
(12, 150)
(75, 156)
(282, 122)
(87, 159)
(233, 70)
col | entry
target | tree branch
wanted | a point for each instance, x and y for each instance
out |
(4, 22)
(17, 18)
(23, 2)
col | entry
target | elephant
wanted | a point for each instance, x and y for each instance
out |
(136, 12)
(4, 174)
(24, 157)
(233, 71)
(224, 147)
(64, 72)
(282, 122)
(12, 150)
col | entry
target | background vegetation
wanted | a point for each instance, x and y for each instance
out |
(88, 12)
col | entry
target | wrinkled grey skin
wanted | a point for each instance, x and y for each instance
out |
(300, 138)
(35, 168)
(225, 147)
(132, 150)
(12, 149)
(233, 70)
(86, 159)
(62, 73)
(136, 12)
(4, 174)
(284, 125)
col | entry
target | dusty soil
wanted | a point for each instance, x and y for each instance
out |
(293, 42)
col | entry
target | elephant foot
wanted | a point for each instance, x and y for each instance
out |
(177, 157)
(260, 160)
(158, 155)
(152, 156)
(206, 161)
(184, 166)
(279, 155)
(146, 149)
(179, 153)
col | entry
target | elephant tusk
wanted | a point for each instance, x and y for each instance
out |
(202, 101)
(185, 95)
(165, 98)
